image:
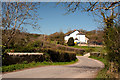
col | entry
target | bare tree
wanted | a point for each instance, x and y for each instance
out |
(106, 8)
(108, 12)
(16, 15)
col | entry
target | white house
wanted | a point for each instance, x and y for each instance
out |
(78, 37)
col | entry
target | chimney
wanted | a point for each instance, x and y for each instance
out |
(74, 29)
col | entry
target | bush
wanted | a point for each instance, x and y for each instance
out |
(112, 43)
(89, 50)
(37, 44)
(61, 56)
(14, 59)
(71, 41)
(30, 47)
(47, 57)
(67, 48)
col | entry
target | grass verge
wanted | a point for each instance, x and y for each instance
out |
(79, 55)
(102, 73)
(24, 65)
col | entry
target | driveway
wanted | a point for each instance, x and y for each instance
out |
(84, 68)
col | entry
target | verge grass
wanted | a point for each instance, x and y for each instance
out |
(102, 74)
(25, 65)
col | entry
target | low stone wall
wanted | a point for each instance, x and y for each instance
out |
(96, 54)
(91, 45)
(25, 53)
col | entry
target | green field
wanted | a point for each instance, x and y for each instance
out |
(93, 49)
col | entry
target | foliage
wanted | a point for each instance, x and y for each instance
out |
(71, 41)
(112, 41)
(104, 72)
(19, 40)
(61, 56)
(51, 54)
(58, 37)
(71, 49)
(95, 37)
(89, 50)
(14, 59)
(15, 14)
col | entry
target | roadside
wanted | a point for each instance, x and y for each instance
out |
(103, 73)
(25, 65)
(84, 68)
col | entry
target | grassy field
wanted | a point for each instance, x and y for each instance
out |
(94, 49)
(25, 65)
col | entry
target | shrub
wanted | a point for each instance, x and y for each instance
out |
(112, 43)
(14, 59)
(61, 56)
(37, 44)
(71, 41)
(47, 57)
(89, 50)
(30, 47)
(25, 62)
(67, 48)
(58, 42)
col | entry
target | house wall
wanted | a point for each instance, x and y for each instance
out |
(86, 41)
(71, 35)
(81, 38)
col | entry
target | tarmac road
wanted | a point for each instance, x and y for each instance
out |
(84, 68)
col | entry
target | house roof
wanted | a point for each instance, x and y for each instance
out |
(70, 32)
(80, 33)
(86, 38)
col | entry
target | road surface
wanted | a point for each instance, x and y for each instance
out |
(84, 68)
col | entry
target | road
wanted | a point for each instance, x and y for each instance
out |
(84, 68)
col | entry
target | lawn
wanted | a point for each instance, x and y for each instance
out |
(94, 49)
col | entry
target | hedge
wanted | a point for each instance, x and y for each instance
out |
(50, 54)
(66, 48)
(61, 56)
(18, 59)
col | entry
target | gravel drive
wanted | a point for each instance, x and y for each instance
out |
(84, 68)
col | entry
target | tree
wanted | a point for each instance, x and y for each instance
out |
(15, 15)
(102, 9)
(108, 12)
(58, 36)
(112, 41)
(95, 36)
(71, 41)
